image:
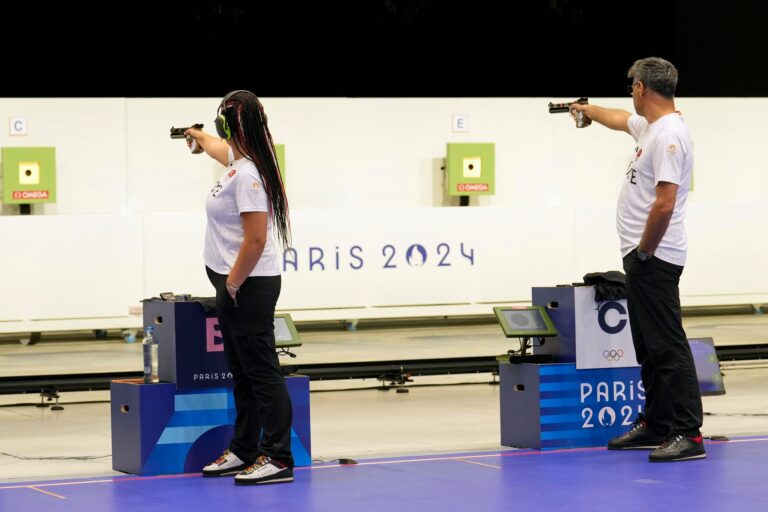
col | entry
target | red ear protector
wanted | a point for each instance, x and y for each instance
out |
(222, 126)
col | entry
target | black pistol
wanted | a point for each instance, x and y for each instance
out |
(582, 121)
(178, 133)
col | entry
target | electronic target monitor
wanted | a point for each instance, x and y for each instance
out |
(525, 321)
(286, 334)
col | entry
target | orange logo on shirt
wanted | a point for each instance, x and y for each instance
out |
(232, 172)
(672, 148)
(255, 185)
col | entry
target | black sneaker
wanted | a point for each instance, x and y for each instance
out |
(679, 447)
(227, 464)
(265, 471)
(639, 437)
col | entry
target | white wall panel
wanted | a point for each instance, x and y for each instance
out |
(726, 253)
(173, 254)
(472, 255)
(129, 222)
(70, 266)
(89, 136)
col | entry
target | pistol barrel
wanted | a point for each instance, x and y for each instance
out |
(178, 133)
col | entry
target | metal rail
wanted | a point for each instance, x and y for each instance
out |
(394, 371)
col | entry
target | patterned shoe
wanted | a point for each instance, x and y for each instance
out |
(639, 437)
(265, 471)
(679, 447)
(227, 464)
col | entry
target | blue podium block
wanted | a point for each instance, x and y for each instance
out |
(190, 344)
(139, 414)
(560, 305)
(592, 334)
(551, 406)
(158, 429)
(191, 351)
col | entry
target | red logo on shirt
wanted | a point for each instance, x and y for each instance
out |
(639, 152)
(232, 172)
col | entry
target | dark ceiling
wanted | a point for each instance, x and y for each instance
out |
(399, 48)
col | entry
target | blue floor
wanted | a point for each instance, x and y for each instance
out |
(733, 477)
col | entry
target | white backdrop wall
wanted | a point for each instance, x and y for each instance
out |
(366, 173)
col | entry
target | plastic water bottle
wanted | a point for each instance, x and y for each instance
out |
(150, 346)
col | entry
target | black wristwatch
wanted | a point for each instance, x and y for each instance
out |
(642, 255)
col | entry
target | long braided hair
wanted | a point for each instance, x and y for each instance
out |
(250, 134)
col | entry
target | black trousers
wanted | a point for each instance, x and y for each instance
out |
(672, 397)
(263, 423)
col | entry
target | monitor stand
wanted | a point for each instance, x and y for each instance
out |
(522, 357)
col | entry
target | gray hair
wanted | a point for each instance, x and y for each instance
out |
(656, 73)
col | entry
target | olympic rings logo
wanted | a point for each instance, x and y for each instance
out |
(613, 355)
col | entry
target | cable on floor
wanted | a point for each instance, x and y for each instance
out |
(343, 462)
(735, 414)
(83, 457)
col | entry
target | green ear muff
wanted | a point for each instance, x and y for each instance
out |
(222, 127)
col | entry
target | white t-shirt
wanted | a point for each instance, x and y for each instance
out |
(238, 190)
(663, 153)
